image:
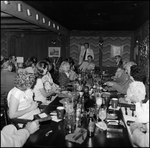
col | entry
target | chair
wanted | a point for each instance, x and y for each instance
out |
(20, 123)
(4, 116)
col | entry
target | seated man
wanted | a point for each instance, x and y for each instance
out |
(11, 137)
(122, 81)
(87, 65)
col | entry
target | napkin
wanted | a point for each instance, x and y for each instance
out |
(78, 136)
(101, 125)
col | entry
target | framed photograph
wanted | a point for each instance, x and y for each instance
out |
(20, 59)
(116, 50)
(53, 51)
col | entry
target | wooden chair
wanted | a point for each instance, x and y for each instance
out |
(4, 108)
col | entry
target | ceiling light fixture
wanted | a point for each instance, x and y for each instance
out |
(6, 2)
(28, 12)
(43, 20)
(37, 17)
(19, 7)
(49, 23)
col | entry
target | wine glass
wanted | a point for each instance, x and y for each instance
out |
(98, 99)
(102, 114)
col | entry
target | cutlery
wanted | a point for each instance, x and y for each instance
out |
(80, 135)
(48, 133)
(76, 134)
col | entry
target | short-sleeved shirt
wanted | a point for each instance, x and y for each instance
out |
(25, 99)
(36, 90)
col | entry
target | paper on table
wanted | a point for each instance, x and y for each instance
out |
(54, 118)
(43, 115)
(114, 108)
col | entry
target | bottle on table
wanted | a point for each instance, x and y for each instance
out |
(91, 127)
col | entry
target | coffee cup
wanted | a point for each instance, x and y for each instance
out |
(60, 112)
(114, 102)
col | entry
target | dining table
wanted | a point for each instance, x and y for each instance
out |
(57, 133)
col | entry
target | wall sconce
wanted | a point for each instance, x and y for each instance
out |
(101, 41)
(19, 7)
(53, 42)
(28, 12)
(53, 25)
(6, 2)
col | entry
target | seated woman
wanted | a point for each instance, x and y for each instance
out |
(140, 129)
(87, 65)
(121, 84)
(30, 64)
(64, 74)
(39, 90)
(20, 98)
(47, 79)
(73, 70)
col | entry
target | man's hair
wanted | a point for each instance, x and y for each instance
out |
(138, 73)
(87, 44)
(90, 56)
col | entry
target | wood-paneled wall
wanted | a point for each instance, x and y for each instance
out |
(32, 44)
(102, 57)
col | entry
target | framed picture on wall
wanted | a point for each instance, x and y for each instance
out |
(116, 50)
(54, 51)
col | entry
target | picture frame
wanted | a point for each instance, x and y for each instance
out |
(54, 51)
(116, 50)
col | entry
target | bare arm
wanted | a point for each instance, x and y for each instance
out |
(13, 108)
(46, 94)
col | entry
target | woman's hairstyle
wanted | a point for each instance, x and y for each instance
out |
(30, 61)
(70, 60)
(63, 65)
(136, 92)
(24, 80)
(40, 67)
(138, 73)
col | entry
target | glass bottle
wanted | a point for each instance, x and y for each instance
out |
(91, 127)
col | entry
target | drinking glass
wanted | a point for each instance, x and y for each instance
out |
(102, 113)
(98, 99)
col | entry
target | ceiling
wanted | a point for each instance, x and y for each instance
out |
(95, 15)
(84, 15)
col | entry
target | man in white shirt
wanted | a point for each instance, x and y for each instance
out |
(11, 137)
(85, 51)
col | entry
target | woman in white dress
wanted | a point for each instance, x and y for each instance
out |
(20, 98)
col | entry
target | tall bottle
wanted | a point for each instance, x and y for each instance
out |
(91, 127)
